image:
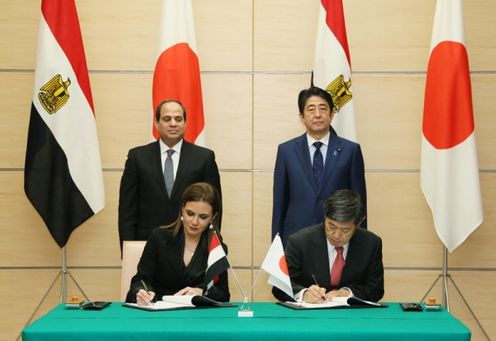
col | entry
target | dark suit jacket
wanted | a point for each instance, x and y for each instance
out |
(162, 268)
(143, 200)
(297, 202)
(306, 255)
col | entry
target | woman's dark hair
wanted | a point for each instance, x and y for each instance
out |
(200, 191)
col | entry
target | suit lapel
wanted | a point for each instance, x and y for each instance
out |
(352, 258)
(319, 249)
(173, 253)
(303, 156)
(185, 158)
(156, 163)
(332, 156)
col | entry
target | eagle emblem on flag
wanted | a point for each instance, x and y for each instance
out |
(54, 95)
(340, 91)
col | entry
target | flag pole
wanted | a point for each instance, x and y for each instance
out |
(63, 272)
(445, 295)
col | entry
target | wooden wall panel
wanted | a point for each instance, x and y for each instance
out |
(16, 106)
(228, 115)
(19, 27)
(255, 57)
(225, 35)
(237, 216)
(120, 35)
(276, 118)
(284, 34)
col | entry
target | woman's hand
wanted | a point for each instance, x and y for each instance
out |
(190, 291)
(144, 297)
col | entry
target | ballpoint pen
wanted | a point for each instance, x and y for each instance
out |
(144, 285)
(317, 284)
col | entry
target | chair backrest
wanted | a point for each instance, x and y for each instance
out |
(131, 254)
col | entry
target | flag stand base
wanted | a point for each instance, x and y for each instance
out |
(63, 288)
(447, 277)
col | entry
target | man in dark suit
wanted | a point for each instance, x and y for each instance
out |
(145, 202)
(336, 258)
(310, 167)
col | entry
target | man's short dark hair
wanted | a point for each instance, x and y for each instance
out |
(314, 91)
(161, 104)
(344, 205)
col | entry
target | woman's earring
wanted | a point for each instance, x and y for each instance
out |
(211, 226)
(182, 219)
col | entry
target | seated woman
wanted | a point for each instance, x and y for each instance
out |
(174, 259)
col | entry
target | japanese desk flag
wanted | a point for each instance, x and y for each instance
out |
(449, 171)
(63, 173)
(275, 265)
(177, 69)
(332, 65)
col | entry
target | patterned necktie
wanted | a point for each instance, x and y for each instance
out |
(337, 268)
(169, 172)
(318, 164)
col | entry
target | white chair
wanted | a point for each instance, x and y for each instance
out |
(131, 254)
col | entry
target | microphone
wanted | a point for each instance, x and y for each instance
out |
(338, 150)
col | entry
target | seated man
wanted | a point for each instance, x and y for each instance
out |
(335, 258)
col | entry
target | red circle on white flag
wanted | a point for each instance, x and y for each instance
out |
(448, 117)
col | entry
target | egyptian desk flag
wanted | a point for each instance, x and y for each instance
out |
(217, 261)
(449, 171)
(275, 265)
(332, 65)
(177, 69)
(63, 174)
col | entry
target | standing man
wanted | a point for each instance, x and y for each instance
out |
(336, 258)
(312, 166)
(156, 175)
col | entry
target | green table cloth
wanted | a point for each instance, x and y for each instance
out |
(270, 322)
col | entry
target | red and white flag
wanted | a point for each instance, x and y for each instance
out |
(63, 174)
(217, 261)
(332, 65)
(177, 70)
(449, 171)
(275, 265)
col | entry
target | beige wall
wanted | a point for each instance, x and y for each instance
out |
(255, 56)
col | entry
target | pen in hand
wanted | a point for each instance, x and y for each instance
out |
(317, 284)
(146, 289)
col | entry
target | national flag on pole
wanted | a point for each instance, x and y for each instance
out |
(449, 171)
(63, 174)
(275, 265)
(177, 70)
(332, 65)
(217, 261)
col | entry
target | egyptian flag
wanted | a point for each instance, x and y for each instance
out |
(332, 65)
(63, 174)
(449, 171)
(217, 261)
(277, 268)
(177, 70)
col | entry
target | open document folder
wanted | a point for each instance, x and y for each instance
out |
(336, 302)
(173, 302)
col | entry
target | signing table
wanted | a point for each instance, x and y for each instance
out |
(270, 322)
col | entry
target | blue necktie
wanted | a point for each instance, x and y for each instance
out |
(318, 164)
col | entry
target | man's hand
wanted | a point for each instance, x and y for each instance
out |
(343, 292)
(314, 294)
